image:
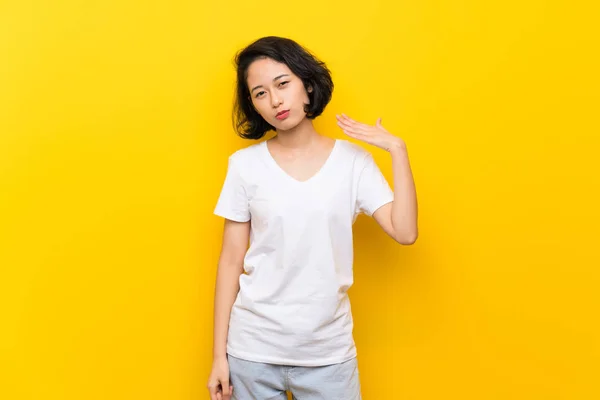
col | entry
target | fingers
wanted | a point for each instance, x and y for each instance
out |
(213, 390)
(352, 132)
(349, 123)
(349, 128)
(222, 391)
(226, 393)
(226, 388)
(358, 124)
(348, 131)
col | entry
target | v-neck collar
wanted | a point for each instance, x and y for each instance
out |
(287, 176)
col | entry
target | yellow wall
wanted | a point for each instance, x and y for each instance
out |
(114, 134)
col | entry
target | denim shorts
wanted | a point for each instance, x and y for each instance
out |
(259, 381)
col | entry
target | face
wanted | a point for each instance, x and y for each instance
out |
(277, 94)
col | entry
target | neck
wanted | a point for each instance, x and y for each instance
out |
(301, 136)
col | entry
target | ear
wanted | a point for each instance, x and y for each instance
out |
(310, 89)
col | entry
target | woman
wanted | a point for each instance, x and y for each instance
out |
(282, 314)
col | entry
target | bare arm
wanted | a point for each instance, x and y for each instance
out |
(230, 267)
(399, 218)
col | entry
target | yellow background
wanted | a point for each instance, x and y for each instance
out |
(114, 135)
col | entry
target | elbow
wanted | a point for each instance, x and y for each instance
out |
(407, 239)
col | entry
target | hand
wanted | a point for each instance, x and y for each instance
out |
(376, 135)
(218, 383)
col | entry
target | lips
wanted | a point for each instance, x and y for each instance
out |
(283, 114)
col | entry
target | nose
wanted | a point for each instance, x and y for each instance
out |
(275, 100)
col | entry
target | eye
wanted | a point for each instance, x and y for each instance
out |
(283, 83)
(258, 94)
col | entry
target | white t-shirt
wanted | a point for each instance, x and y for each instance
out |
(292, 307)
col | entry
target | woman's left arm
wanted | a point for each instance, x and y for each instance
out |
(398, 218)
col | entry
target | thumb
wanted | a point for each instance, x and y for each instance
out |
(379, 122)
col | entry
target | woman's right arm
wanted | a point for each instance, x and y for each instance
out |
(230, 267)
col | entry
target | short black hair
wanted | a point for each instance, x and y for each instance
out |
(247, 122)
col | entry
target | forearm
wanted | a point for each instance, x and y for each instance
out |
(404, 207)
(226, 290)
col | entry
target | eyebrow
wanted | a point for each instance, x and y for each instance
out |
(274, 79)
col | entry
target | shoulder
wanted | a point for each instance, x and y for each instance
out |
(355, 152)
(245, 156)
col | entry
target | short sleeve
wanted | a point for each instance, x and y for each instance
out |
(373, 189)
(233, 201)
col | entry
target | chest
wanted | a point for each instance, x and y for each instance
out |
(300, 168)
(297, 203)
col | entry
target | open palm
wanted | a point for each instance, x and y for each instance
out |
(375, 135)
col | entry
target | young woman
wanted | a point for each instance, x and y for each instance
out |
(282, 314)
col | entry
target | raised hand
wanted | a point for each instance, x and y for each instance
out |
(375, 135)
